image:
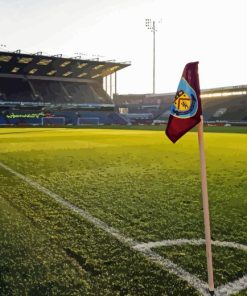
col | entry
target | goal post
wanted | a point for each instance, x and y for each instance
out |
(88, 121)
(53, 120)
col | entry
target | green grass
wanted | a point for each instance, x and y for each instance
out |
(134, 180)
(229, 263)
(28, 259)
(144, 127)
(210, 129)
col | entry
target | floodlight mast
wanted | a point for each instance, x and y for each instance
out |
(150, 24)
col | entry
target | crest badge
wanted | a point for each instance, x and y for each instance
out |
(185, 104)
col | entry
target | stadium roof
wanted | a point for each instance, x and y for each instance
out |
(17, 63)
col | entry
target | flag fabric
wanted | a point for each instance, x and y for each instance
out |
(186, 109)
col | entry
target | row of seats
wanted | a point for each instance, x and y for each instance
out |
(15, 90)
(225, 108)
(23, 90)
(220, 108)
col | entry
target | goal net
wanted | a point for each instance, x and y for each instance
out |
(88, 121)
(53, 121)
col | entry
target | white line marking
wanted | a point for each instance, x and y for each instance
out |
(193, 280)
(230, 245)
(184, 241)
(232, 288)
(145, 248)
(168, 243)
(224, 290)
(151, 255)
(100, 224)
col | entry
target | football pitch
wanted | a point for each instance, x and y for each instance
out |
(118, 212)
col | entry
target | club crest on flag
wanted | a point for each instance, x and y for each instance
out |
(185, 104)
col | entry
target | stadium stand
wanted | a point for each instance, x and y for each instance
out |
(227, 104)
(16, 89)
(232, 108)
(48, 90)
(101, 93)
(83, 93)
(70, 91)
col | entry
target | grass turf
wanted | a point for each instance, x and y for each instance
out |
(136, 181)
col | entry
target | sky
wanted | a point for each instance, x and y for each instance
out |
(212, 32)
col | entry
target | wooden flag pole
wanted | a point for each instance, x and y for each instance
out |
(206, 208)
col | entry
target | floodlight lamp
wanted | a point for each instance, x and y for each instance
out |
(148, 24)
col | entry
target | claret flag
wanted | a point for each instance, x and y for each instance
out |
(186, 108)
(186, 112)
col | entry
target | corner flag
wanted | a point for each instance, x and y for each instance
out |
(186, 112)
(186, 108)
